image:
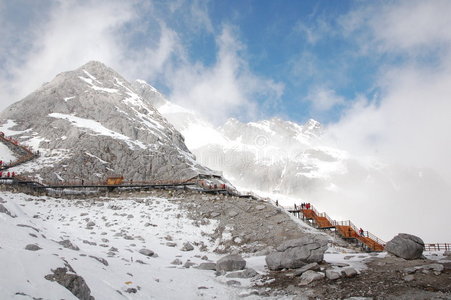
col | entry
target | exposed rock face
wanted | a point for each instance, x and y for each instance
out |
(90, 123)
(231, 262)
(73, 282)
(406, 246)
(297, 253)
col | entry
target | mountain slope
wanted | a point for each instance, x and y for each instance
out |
(89, 122)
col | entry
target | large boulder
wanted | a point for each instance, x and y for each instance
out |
(233, 262)
(406, 246)
(296, 253)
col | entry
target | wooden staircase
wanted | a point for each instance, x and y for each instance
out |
(346, 229)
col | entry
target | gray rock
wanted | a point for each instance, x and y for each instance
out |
(32, 247)
(207, 266)
(232, 262)
(311, 266)
(233, 283)
(99, 259)
(409, 278)
(187, 247)
(188, 264)
(4, 210)
(434, 267)
(232, 213)
(68, 244)
(332, 275)
(176, 262)
(260, 207)
(71, 281)
(447, 253)
(171, 244)
(90, 224)
(146, 252)
(246, 273)
(349, 272)
(406, 246)
(310, 276)
(297, 253)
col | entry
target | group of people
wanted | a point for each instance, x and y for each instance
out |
(8, 175)
(302, 206)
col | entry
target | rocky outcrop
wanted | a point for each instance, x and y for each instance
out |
(297, 253)
(406, 246)
(71, 281)
(233, 262)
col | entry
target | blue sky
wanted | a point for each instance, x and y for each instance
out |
(296, 50)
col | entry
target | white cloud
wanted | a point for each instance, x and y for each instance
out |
(324, 99)
(408, 126)
(225, 88)
(73, 34)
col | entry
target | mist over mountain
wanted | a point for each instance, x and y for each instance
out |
(296, 163)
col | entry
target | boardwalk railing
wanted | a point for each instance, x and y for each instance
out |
(438, 247)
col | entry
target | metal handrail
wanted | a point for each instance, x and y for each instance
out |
(437, 247)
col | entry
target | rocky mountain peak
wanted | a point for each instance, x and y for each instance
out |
(98, 124)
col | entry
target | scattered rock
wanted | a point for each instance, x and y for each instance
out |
(68, 244)
(176, 262)
(409, 278)
(246, 273)
(131, 290)
(90, 224)
(71, 281)
(171, 244)
(146, 252)
(310, 276)
(260, 207)
(312, 266)
(232, 262)
(406, 246)
(4, 210)
(32, 247)
(349, 272)
(233, 283)
(232, 213)
(99, 259)
(215, 214)
(188, 264)
(187, 247)
(332, 275)
(297, 253)
(207, 266)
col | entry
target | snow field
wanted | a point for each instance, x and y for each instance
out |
(121, 228)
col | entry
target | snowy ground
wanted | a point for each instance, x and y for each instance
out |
(6, 155)
(121, 228)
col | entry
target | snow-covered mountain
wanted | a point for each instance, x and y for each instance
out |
(270, 155)
(295, 163)
(89, 123)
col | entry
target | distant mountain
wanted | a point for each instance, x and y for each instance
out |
(90, 123)
(270, 155)
(295, 163)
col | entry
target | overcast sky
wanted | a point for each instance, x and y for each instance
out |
(376, 73)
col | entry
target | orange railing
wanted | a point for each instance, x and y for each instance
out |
(346, 229)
